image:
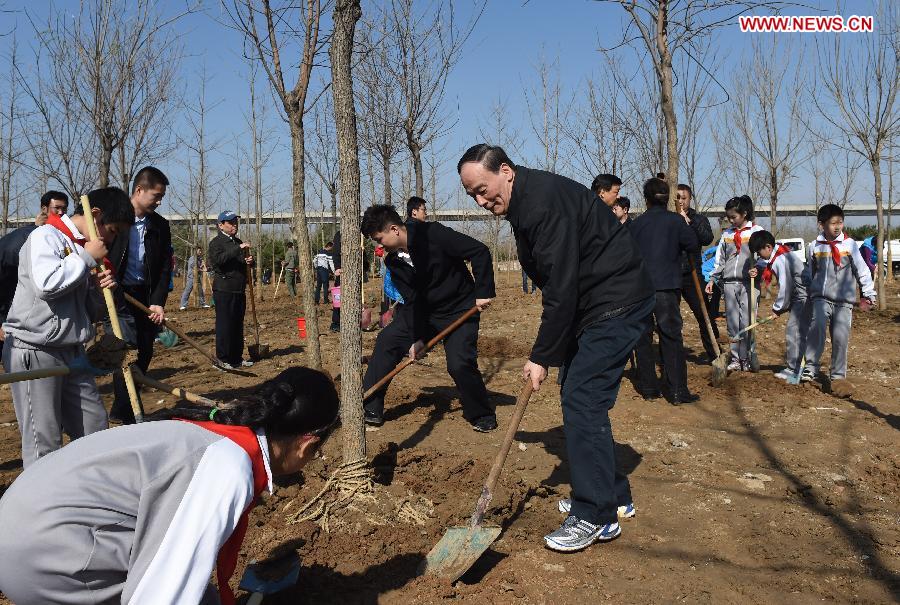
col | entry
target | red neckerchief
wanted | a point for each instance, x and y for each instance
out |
(226, 562)
(737, 237)
(767, 272)
(54, 220)
(835, 251)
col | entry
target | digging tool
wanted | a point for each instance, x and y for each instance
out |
(754, 358)
(720, 363)
(177, 391)
(278, 283)
(114, 319)
(430, 345)
(79, 365)
(795, 379)
(259, 581)
(461, 546)
(753, 326)
(212, 299)
(168, 338)
(256, 350)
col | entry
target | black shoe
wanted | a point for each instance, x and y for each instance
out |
(334, 328)
(485, 424)
(685, 397)
(373, 419)
(650, 395)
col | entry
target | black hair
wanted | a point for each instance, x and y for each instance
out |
(413, 203)
(742, 205)
(329, 244)
(760, 240)
(489, 156)
(53, 195)
(290, 244)
(114, 203)
(828, 212)
(624, 203)
(605, 182)
(656, 192)
(299, 401)
(687, 188)
(661, 176)
(149, 177)
(378, 218)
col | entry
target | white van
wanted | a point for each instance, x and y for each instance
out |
(797, 246)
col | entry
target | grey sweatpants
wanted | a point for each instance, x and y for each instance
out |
(795, 334)
(737, 317)
(834, 318)
(47, 406)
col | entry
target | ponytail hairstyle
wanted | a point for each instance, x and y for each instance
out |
(743, 205)
(299, 401)
(656, 192)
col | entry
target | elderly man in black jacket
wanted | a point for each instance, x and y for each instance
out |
(703, 231)
(437, 288)
(597, 296)
(663, 237)
(142, 260)
(227, 261)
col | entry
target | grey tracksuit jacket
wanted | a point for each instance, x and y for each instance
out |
(135, 514)
(838, 283)
(732, 264)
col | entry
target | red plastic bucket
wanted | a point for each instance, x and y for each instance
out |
(301, 326)
(335, 297)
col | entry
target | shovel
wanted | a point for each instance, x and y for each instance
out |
(460, 547)
(257, 580)
(720, 363)
(256, 350)
(140, 378)
(754, 359)
(278, 283)
(753, 326)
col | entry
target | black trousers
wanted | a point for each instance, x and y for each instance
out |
(322, 277)
(590, 383)
(689, 293)
(230, 310)
(140, 332)
(667, 319)
(461, 348)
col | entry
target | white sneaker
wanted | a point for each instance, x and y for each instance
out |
(624, 512)
(182, 308)
(784, 374)
(735, 365)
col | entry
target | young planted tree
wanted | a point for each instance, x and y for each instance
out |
(323, 157)
(269, 31)
(857, 91)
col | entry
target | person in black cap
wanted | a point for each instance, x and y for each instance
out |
(229, 266)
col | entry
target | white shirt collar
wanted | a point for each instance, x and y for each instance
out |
(264, 446)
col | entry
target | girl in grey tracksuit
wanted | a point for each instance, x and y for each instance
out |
(141, 514)
(732, 273)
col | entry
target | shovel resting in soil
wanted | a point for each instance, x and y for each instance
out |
(260, 580)
(460, 547)
(721, 361)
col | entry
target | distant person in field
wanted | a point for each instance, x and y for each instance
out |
(416, 209)
(195, 261)
(835, 269)
(597, 297)
(290, 264)
(324, 266)
(606, 187)
(869, 252)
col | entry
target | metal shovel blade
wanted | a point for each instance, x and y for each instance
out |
(258, 352)
(256, 580)
(458, 550)
(719, 369)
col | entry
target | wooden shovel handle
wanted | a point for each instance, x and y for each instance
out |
(113, 317)
(488, 491)
(140, 306)
(430, 345)
(33, 374)
(702, 296)
(177, 391)
(252, 298)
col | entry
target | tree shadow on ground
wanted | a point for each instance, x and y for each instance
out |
(288, 350)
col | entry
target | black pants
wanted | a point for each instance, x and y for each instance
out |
(667, 319)
(322, 277)
(460, 347)
(140, 332)
(590, 383)
(230, 310)
(689, 292)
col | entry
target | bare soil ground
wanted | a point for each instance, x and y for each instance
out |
(759, 493)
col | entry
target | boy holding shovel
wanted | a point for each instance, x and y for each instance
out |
(51, 318)
(437, 289)
(597, 298)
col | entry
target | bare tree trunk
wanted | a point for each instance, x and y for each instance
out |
(879, 239)
(386, 165)
(888, 256)
(416, 153)
(773, 199)
(667, 99)
(346, 14)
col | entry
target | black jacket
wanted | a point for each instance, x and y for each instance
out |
(10, 244)
(226, 260)
(440, 283)
(584, 261)
(157, 257)
(662, 237)
(703, 231)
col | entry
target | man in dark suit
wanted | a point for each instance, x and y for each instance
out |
(142, 262)
(428, 266)
(229, 261)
